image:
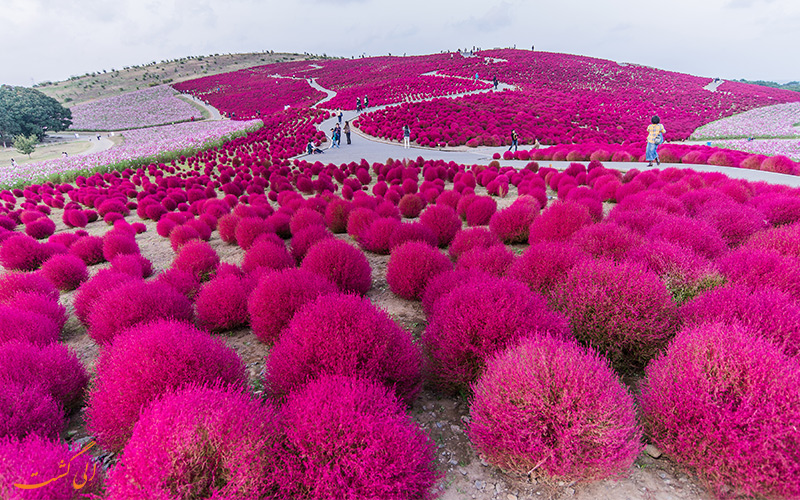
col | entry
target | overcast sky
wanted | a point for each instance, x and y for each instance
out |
(55, 39)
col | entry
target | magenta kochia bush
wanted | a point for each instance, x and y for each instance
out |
(133, 303)
(512, 224)
(411, 266)
(543, 265)
(443, 221)
(198, 258)
(444, 282)
(146, 362)
(203, 442)
(267, 254)
(467, 239)
(35, 459)
(98, 285)
(726, 403)
(89, 249)
(620, 309)
(770, 313)
(494, 260)
(27, 408)
(343, 335)
(478, 319)
(31, 326)
(558, 222)
(12, 284)
(20, 252)
(65, 271)
(480, 210)
(557, 408)
(221, 303)
(54, 367)
(343, 264)
(381, 454)
(279, 295)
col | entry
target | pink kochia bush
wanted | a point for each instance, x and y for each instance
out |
(543, 265)
(199, 442)
(198, 258)
(467, 239)
(726, 403)
(221, 304)
(12, 284)
(379, 451)
(20, 252)
(167, 355)
(35, 459)
(133, 303)
(558, 222)
(443, 221)
(343, 335)
(54, 367)
(512, 224)
(411, 266)
(279, 295)
(557, 408)
(21, 324)
(27, 408)
(620, 309)
(772, 314)
(268, 255)
(343, 264)
(478, 319)
(96, 287)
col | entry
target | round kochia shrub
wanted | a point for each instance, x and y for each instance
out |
(620, 309)
(467, 239)
(20, 252)
(555, 407)
(479, 212)
(36, 459)
(221, 304)
(198, 258)
(279, 295)
(20, 324)
(383, 453)
(443, 221)
(726, 403)
(543, 265)
(199, 442)
(133, 303)
(26, 409)
(54, 367)
(343, 264)
(512, 224)
(166, 355)
(343, 335)
(268, 255)
(98, 285)
(13, 284)
(478, 319)
(411, 266)
(558, 222)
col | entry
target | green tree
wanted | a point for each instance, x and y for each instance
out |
(26, 111)
(25, 145)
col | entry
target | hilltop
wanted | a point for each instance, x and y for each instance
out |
(108, 83)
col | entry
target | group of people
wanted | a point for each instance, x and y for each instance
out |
(359, 107)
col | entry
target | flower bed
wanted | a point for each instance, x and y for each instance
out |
(780, 120)
(143, 108)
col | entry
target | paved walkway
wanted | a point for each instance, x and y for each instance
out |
(374, 149)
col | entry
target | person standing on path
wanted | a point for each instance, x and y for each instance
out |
(366, 102)
(514, 141)
(655, 136)
(346, 130)
(340, 116)
(358, 104)
(406, 137)
(495, 82)
(476, 76)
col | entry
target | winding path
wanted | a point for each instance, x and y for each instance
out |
(374, 149)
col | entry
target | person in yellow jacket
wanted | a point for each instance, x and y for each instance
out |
(655, 136)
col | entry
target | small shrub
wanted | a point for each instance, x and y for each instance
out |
(620, 309)
(197, 257)
(443, 221)
(41, 304)
(213, 442)
(441, 284)
(336, 215)
(221, 304)
(90, 291)
(13, 284)
(466, 239)
(40, 228)
(480, 211)
(27, 409)
(512, 224)
(359, 220)
(343, 264)
(20, 252)
(183, 282)
(118, 243)
(167, 355)
(494, 260)
(340, 334)
(89, 249)
(695, 234)
(54, 367)
(30, 326)
(279, 295)
(132, 303)
(558, 222)
(755, 268)
(543, 265)
(480, 318)
(411, 266)
(556, 408)
(305, 238)
(65, 272)
(383, 454)
(376, 238)
(606, 239)
(411, 205)
(725, 403)
(412, 231)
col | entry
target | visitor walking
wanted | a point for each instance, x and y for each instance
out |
(655, 136)
(358, 104)
(514, 141)
(346, 130)
(366, 102)
(406, 137)
(495, 82)
(340, 116)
